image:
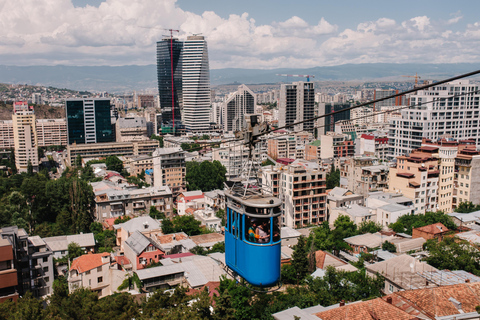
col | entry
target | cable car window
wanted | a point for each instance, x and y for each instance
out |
(251, 225)
(229, 219)
(250, 210)
(240, 223)
(263, 230)
(277, 210)
(276, 229)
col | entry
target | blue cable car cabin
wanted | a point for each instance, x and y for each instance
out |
(252, 237)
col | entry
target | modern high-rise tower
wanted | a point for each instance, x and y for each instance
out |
(241, 102)
(169, 58)
(297, 103)
(89, 121)
(196, 85)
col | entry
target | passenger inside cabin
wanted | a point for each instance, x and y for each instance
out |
(263, 232)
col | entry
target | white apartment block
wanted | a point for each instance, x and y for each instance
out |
(238, 104)
(52, 132)
(457, 117)
(25, 137)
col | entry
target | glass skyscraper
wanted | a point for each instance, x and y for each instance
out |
(196, 85)
(89, 121)
(169, 58)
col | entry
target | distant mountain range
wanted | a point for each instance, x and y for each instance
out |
(127, 78)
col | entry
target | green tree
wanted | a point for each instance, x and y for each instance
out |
(167, 226)
(369, 227)
(198, 250)
(467, 207)
(155, 214)
(300, 258)
(409, 221)
(333, 178)
(205, 176)
(267, 162)
(159, 138)
(29, 168)
(218, 247)
(388, 246)
(78, 161)
(190, 146)
(453, 253)
(114, 163)
(74, 251)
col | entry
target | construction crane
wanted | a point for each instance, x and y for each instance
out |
(171, 74)
(308, 76)
(416, 78)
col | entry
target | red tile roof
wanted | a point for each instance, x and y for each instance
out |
(122, 260)
(89, 262)
(372, 309)
(167, 238)
(435, 228)
(179, 255)
(190, 198)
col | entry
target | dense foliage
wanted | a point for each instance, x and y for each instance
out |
(159, 138)
(46, 207)
(187, 224)
(332, 240)
(333, 178)
(369, 227)
(388, 246)
(467, 207)
(205, 176)
(453, 254)
(408, 222)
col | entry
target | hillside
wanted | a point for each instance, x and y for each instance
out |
(41, 111)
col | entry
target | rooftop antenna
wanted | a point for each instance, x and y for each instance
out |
(171, 77)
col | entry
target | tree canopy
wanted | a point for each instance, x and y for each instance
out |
(187, 224)
(467, 207)
(408, 222)
(205, 176)
(333, 178)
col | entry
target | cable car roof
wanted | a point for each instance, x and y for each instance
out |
(255, 200)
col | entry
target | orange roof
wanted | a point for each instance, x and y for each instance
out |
(167, 238)
(89, 262)
(435, 228)
(190, 211)
(324, 259)
(122, 260)
(372, 309)
(437, 302)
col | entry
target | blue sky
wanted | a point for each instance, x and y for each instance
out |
(242, 34)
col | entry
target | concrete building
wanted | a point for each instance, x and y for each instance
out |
(116, 200)
(237, 105)
(327, 124)
(232, 158)
(141, 250)
(196, 85)
(59, 244)
(339, 143)
(8, 272)
(340, 197)
(169, 169)
(51, 132)
(372, 145)
(145, 101)
(89, 120)
(364, 175)
(103, 150)
(297, 103)
(440, 113)
(467, 177)
(302, 191)
(131, 129)
(95, 272)
(32, 261)
(417, 177)
(7, 139)
(25, 137)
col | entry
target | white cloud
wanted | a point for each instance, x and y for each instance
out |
(121, 32)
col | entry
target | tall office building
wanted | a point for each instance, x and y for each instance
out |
(297, 102)
(169, 60)
(325, 124)
(455, 117)
(241, 102)
(89, 121)
(24, 136)
(196, 85)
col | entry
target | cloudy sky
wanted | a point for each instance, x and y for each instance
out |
(240, 34)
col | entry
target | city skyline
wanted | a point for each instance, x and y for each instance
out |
(240, 35)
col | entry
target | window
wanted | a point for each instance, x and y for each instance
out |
(99, 269)
(45, 269)
(45, 259)
(99, 279)
(88, 272)
(47, 279)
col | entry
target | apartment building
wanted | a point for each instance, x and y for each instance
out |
(114, 200)
(25, 136)
(135, 165)
(435, 112)
(467, 177)
(51, 132)
(237, 105)
(7, 140)
(417, 177)
(297, 103)
(103, 150)
(131, 129)
(169, 169)
(8, 272)
(363, 175)
(95, 272)
(32, 260)
(302, 190)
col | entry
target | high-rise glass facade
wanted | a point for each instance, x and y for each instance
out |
(89, 121)
(196, 85)
(169, 58)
